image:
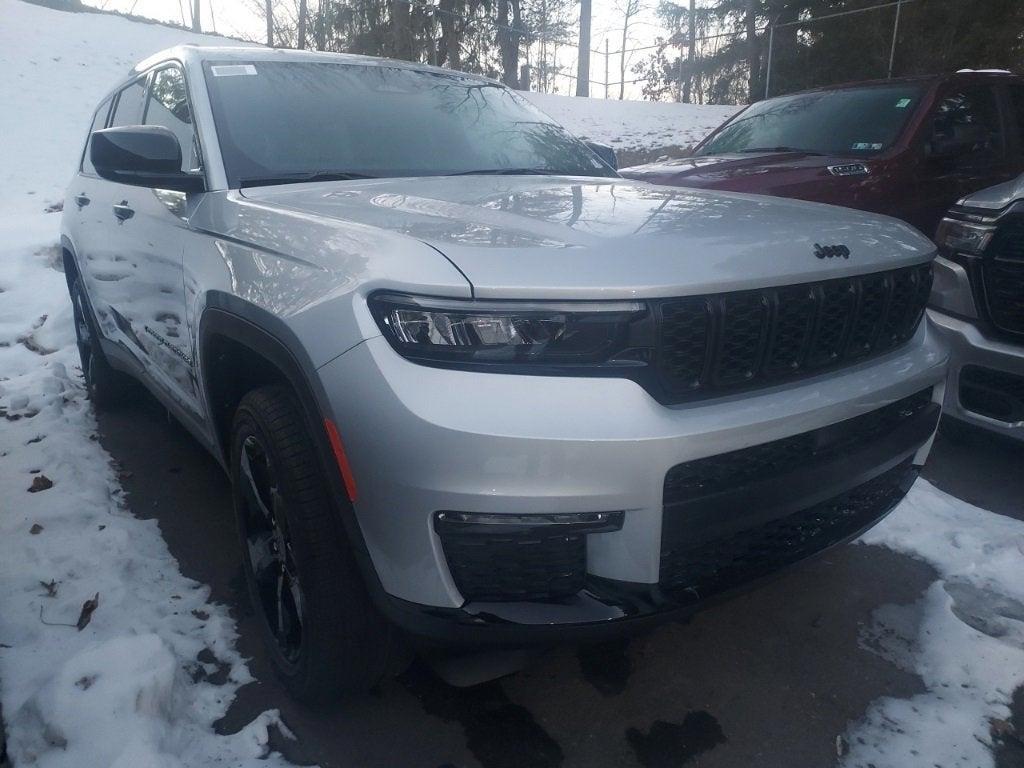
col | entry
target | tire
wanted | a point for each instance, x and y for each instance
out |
(323, 635)
(105, 385)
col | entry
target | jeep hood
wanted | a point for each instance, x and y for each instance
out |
(567, 237)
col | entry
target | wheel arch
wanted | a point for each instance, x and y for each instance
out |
(70, 260)
(256, 337)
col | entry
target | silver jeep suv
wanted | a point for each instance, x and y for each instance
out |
(470, 385)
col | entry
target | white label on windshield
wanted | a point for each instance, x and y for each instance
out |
(902, 103)
(232, 70)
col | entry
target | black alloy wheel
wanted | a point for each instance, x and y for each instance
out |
(269, 549)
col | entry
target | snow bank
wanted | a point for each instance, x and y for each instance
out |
(155, 666)
(965, 637)
(633, 126)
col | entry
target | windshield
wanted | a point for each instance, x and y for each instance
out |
(291, 121)
(859, 122)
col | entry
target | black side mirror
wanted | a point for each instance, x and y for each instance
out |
(142, 155)
(606, 153)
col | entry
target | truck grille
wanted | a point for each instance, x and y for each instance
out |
(709, 345)
(1003, 275)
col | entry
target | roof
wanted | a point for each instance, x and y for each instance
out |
(254, 53)
(964, 75)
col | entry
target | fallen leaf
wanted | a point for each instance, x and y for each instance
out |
(40, 483)
(50, 587)
(201, 615)
(87, 610)
(85, 682)
(36, 529)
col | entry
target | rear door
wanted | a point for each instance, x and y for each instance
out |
(105, 257)
(88, 227)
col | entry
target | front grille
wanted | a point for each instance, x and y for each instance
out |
(1003, 275)
(996, 394)
(697, 572)
(737, 468)
(497, 558)
(709, 345)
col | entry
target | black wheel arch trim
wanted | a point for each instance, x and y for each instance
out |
(268, 336)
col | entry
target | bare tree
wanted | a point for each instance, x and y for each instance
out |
(629, 10)
(583, 59)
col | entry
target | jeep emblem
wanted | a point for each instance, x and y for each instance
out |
(831, 251)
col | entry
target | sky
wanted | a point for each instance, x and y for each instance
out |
(237, 18)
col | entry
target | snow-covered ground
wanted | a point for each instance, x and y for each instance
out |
(633, 127)
(142, 683)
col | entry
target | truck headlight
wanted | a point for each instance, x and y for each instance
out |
(485, 333)
(957, 236)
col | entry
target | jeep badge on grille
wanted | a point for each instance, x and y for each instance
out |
(831, 251)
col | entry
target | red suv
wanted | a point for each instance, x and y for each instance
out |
(909, 147)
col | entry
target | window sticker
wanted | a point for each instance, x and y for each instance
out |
(232, 70)
(861, 145)
(902, 103)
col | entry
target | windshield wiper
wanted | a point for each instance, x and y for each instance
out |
(780, 149)
(510, 172)
(297, 178)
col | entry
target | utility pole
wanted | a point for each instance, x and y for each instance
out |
(895, 32)
(583, 59)
(196, 26)
(270, 23)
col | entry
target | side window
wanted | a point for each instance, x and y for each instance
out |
(966, 124)
(99, 121)
(130, 100)
(168, 106)
(1017, 107)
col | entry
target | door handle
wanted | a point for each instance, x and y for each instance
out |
(82, 200)
(123, 211)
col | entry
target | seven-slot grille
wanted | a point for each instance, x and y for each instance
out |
(1003, 275)
(710, 344)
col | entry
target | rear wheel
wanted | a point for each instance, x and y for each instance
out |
(323, 635)
(106, 385)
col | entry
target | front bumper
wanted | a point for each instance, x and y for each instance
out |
(421, 440)
(966, 396)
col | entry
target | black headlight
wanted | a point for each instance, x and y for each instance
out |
(527, 333)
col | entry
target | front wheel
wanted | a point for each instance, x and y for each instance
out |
(323, 635)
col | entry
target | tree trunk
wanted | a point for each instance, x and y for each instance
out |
(302, 23)
(622, 52)
(583, 59)
(508, 41)
(401, 30)
(753, 52)
(196, 25)
(448, 52)
(692, 35)
(270, 23)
